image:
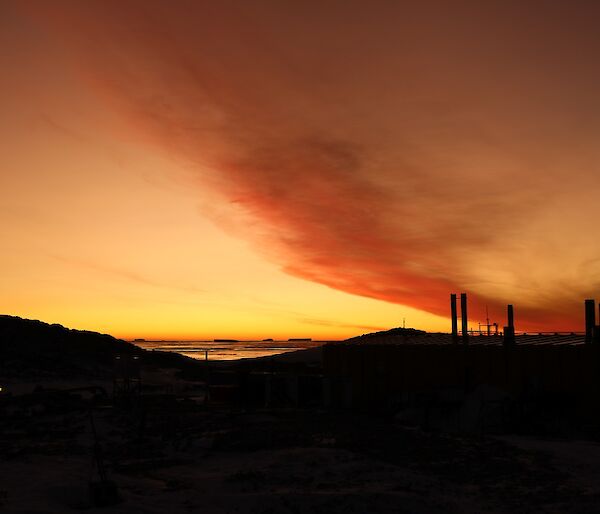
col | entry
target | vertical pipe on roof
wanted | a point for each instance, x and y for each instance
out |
(596, 330)
(454, 318)
(509, 330)
(464, 317)
(590, 319)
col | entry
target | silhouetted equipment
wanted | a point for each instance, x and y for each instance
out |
(464, 317)
(590, 319)
(454, 317)
(488, 326)
(509, 330)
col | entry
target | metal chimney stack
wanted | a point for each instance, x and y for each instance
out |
(590, 320)
(509, 330)
(464, 317)
(454, 318)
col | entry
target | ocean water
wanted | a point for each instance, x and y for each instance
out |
(218, 350)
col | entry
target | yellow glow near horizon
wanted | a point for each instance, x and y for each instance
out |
(139, 260)
(100, 233)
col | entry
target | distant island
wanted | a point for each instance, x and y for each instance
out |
(300, 339)
(226, 340)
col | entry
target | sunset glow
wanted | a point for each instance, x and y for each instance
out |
(308, 171)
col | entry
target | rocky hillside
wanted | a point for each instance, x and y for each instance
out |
(28, 346)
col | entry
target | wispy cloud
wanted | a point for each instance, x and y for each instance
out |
(336, 324)
(62, 129)
(127, 274)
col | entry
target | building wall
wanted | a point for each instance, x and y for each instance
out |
(380, 375)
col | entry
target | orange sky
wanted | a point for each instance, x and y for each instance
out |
(257, 169)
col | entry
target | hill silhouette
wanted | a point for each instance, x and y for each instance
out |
(393, 332)
(34, 347)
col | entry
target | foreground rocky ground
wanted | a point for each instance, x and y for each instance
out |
(169, 451)
(188, 458)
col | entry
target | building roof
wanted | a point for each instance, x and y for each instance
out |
(417, 337)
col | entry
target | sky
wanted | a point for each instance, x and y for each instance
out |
(191, 169)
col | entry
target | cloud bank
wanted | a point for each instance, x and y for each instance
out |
(400, 153)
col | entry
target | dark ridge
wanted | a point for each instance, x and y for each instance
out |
(396, 332)
(36, 348)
